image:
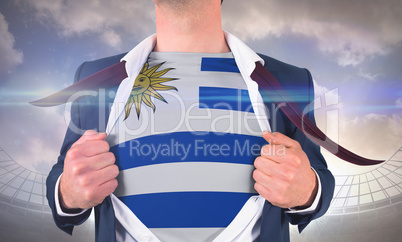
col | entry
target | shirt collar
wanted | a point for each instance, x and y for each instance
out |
(245, 59)
(136, 58)
(244, 56)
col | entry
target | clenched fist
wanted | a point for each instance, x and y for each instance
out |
(283, 174)
(89, 173)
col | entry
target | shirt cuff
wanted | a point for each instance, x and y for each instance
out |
(57, 202)
(313, 206)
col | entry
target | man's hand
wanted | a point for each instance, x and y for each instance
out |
(89, 173)
(283, 174)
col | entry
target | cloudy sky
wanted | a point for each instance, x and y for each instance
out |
(352, 48)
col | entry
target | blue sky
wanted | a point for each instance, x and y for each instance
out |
(352, 48)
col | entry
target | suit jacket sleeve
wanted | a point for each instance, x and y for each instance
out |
(66, 223)
(318, 162)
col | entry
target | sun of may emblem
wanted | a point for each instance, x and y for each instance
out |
(147, 83)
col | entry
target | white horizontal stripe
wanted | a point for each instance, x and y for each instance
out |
(187, 234)
(186, 176)
(173, 118)
(245, 226)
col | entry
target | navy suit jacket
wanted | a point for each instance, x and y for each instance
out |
(89, 113)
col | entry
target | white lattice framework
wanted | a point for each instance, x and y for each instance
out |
(21, 187)
(381, 187)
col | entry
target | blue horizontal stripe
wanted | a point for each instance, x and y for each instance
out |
(187, 209)
(219, 64)
(225, 98)
(188, 147)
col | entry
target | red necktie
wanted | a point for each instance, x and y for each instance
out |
(268, 85)
(108, 77)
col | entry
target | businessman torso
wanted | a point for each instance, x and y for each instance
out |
(92, 112)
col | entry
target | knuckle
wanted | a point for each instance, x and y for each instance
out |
(89, 132)
(115, 171)
(86, 136)
(99, 145)
(114, 185)
(75, 169)
(258, 162)
(88, 195)
(111, 157)
(256, 187)
(256, 175)
(108, 158)
(289, 176)
(296, 144)
(110, 187)
(260, 189)
(104, 145)
(72, 154)
(296, 161)
(265, 150)
(83, 182)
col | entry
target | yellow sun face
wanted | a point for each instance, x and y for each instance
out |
(146, 85)
(141, 84)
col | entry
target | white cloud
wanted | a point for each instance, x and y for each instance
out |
(109, 19)
(374, 136)
(351, 31)
(369, 74)
(9, 57)
(32, 136)
(111, 38)
(399, 102)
